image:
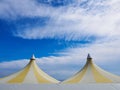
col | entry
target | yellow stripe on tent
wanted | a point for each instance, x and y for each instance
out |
(99, 77)
(79, 76)
(20, 77)
(39, 77)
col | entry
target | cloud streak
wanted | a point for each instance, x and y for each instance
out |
(77, 23)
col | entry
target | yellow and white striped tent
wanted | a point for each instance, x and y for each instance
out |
(30, 74)
(91, 73)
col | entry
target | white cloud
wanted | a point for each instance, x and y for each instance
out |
(14, 9)
(14, 64)
(76, 23)
(71, 22)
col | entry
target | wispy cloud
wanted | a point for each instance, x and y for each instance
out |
(12, 9)
(75, 22)
(78, 20)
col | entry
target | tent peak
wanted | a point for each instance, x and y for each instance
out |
(33, 57)
(89, 57)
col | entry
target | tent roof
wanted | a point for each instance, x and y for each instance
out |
(31, 73)
(91, 73)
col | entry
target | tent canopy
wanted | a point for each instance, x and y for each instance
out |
(91, 73)
(31, 73)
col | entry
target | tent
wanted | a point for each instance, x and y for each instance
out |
(91, 73)
(31, 73)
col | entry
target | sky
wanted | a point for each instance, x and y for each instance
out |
(60, 33)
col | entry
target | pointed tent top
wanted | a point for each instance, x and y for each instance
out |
(91, 73)
(89, 57)
(33, 57)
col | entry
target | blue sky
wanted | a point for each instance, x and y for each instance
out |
(60, 33)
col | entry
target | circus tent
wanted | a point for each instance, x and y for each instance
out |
(91, 73)
(30, 74)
